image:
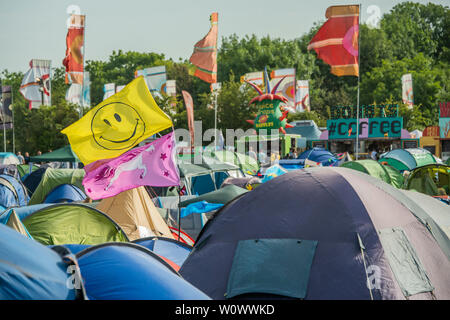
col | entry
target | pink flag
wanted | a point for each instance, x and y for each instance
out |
(151, 165)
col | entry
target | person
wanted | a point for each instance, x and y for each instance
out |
(20, 157)
(262, 157)
(27, 157)
(374, 154)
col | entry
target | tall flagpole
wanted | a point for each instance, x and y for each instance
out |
(12, 111)
(84, 67)
(359, 75)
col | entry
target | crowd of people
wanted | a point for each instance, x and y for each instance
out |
(25, 158)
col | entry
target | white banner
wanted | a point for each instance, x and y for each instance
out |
(171, 88)
(155, 78)
(109, 89)
(407, 90)
(302, 97)
(36, 84)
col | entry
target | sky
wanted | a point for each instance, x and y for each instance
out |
(36, 29)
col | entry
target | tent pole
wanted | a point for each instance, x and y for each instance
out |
(179, 213)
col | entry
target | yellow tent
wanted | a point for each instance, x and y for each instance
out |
(136, 214)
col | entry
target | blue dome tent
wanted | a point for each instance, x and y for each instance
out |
(126, 271)
(65, 193)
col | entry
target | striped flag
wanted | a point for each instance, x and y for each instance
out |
(336, 42)
(204, 57)
(36, 85)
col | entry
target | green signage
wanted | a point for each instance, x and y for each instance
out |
(368, 128)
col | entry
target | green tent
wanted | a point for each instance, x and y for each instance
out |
(53, 178)
(375, 169)
(72, 224)
(247, 164)
(64, 154)
(223, 195)
(24, 169)
(407, 159)
(433, 179)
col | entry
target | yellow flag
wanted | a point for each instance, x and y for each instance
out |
(117, 124)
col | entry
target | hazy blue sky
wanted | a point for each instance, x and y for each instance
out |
(37, 28)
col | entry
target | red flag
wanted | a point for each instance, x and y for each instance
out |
(190, 113)
(336, 42)
(205, 54)
(73, 60)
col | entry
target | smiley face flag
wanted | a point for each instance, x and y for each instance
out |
(117, 124)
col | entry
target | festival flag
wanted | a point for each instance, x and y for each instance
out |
(108, 90)
(153, 164)
(171, 88)
(336, 42)
(36, 85)
(156, 79)
(254, 77)
(74, 59)
(190, 114)
(287, 87)
(6, 99)
(117, 124)
(80, 93)
(302, 97)
(204, 57)
(407, 90)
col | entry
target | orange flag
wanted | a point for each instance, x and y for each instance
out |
(336, 42)
(73, 60)
(205, 54)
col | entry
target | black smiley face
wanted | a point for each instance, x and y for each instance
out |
(117, 126)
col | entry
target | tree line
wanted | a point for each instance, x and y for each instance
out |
(412, 38)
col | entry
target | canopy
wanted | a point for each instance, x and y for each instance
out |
(64, 154)
(384, 172)
(407, 159)
(55, 177)
(320, 233)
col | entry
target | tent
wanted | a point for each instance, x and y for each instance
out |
(324, 233)
(247, 164)
(32, 180)
(432, 179)
(64, 154)
(30, 271)
(384, 172)
(10, 169)
(172, 251)
(223, 195)
(317, 155)
(126, 271)
(12, 192)
(135, 212)
(24, 170)
(71, 223)
(65, 193)
(55, 177)
(407, 159)
(8, 158)
(447, 162)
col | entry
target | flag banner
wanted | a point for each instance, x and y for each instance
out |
(199, 207)
(36, 84)
(155, 78)
(6, 99)
(117, 124)
(287, 87)
(171, 88)
(336, 42)
(407, 90)
(190, 113)
(80, 94)
(74, 59)
(204, 57)
(108, 90)
(254, 77)
(118, 88)
(302, 97)
(153, 164)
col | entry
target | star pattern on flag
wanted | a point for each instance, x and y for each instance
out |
(163, 156)
(166, 173)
